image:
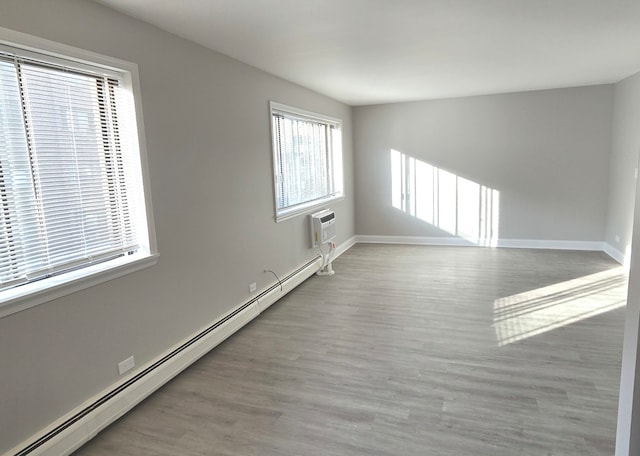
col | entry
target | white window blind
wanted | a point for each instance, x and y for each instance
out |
(307, 159)
(65, 171)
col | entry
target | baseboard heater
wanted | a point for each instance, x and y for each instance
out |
(229, 324)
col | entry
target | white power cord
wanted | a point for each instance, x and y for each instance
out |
(326, 269)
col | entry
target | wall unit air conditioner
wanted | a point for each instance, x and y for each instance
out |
(323, 227)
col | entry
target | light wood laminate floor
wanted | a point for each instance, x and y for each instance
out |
(407, 350)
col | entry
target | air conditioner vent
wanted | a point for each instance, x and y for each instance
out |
(323, 227)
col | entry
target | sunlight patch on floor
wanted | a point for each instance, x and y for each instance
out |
(527, 314)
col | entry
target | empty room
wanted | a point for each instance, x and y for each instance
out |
(319, 227)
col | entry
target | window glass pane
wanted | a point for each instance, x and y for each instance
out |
(306, 168)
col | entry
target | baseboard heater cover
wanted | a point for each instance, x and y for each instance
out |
(72, 432)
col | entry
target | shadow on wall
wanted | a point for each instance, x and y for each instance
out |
(458, 206)
(528, 314)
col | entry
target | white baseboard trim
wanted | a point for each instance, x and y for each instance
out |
(615, 254)
(509, 243)
(550, 244)
(83, 423)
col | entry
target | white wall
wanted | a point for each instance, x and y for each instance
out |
(546, 152)
(624, 161)
(207, 127)
(628, 431)
(623, 196)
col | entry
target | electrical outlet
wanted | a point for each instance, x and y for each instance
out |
(252, 287)
(126, 365)
(617, 238)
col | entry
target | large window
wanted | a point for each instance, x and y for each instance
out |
(71, 190)
(307, 159)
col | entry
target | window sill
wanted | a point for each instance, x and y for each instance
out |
(306, 208)
(33, 294)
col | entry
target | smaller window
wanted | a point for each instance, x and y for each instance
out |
(307, 159)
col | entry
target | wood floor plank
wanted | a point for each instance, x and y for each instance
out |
(410, 350)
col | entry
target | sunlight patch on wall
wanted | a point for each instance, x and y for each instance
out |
(528, 314)
(459, 206)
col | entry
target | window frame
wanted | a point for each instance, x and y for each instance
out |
(31, 294)
(334, 167)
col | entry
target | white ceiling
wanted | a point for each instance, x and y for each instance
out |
(380, 51)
